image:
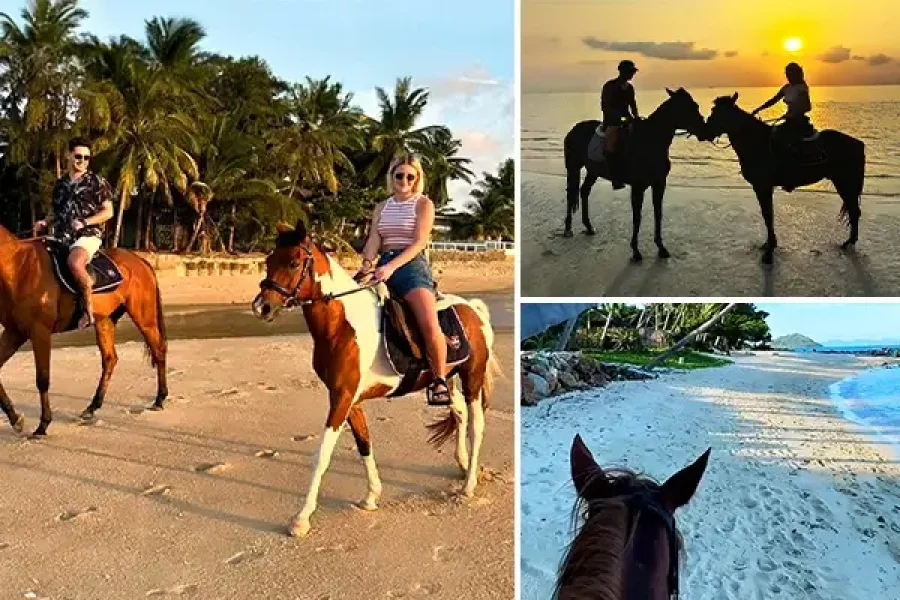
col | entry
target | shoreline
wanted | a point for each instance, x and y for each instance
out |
(805, 497)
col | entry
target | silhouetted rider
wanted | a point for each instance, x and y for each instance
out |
(619, 108)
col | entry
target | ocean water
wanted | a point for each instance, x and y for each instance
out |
(869, 113)
(872, 399)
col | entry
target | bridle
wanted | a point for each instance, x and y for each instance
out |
(292, 297)
(643, 501)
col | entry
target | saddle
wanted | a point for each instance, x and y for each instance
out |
(597, 145)
(807, 150)
(102, 269)
(406, 347)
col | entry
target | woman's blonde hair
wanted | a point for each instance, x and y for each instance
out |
(413, 161)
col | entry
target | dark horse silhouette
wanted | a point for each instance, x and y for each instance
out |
(763, 166)
(646, 163)
(628, 545)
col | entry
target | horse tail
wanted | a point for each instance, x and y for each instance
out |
(160, 321)
(857, 167)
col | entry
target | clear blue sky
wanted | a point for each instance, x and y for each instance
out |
(462, 50)
(835, 322)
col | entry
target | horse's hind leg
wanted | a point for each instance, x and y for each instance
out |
(573, 181)
(473, 380)
(360, 429)
(148, 320)
(659, 190)
(10, 342)
(589, 181)
(461, 414)
(40, 341)
(106, 341)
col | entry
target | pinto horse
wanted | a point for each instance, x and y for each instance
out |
(349, 357)
(34, 306)
(845, 166)
(629, 545)
(647, 163)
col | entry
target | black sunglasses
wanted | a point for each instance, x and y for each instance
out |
(81, 156)
(409, 176)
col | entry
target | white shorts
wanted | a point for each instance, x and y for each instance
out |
(89, 243)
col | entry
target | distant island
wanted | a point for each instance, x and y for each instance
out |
(794, 341)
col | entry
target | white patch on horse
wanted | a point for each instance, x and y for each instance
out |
(363, 312)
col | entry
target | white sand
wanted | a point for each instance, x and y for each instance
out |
(713, 236)
(796, 502)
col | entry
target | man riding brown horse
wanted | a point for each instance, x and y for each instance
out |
(81, 204)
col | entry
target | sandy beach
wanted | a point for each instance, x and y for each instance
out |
(713, 236)
(797, 502)
(193, 501)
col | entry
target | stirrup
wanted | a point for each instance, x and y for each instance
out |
(438, 398)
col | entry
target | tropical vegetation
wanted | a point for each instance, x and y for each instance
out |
(208, 152)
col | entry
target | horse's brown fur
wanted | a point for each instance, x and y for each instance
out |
(33, 306)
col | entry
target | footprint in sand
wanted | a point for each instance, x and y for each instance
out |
(444, 553)
(304, 438)
(74, 514)
(267, 453)
(416, 590)
(264, 387)
(212, 468)
(766, 565)
(156, 490)
(242, 557)
(178, 590)
(4, 545)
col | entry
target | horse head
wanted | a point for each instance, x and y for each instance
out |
(686, 112)
(639, 512)
(292, 270)
(724, 116)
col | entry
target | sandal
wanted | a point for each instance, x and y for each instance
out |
(436, 396)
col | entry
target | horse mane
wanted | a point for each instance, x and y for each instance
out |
(289, 238)
(591, 567)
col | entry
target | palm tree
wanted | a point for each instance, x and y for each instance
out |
(144, 139)
(661, 357)
(38, 74)
(323, 125)
(395, 133)
(438, 150)
(492, 213)
(227, 158)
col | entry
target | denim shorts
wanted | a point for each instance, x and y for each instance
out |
(413, 275)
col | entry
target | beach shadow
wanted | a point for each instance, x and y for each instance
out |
(860, 271)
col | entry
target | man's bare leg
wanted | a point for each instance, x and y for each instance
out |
(78, 261)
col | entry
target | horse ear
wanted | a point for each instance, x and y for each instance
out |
(584, 467)
(300, 228)
(671, 93)
(282, 227)
(734, 97)
(680, 487)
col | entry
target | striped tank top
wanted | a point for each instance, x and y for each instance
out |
(397, 225)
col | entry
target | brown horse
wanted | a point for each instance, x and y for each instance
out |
(349, 357)
(629, 545)
(34, 306)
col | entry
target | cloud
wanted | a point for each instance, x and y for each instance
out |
(857, 57)
(731, 53)
(835, 54)
(662, 50)
(879, 59)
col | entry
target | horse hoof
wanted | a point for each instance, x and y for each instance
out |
(568, 233)
(848, 244)
(156, 406)
(663, 253)
(87, 415)
(367, 505)
(39, 434)
(298, 528)
(637, 257)
(590, 231)
(767, 258)
(19, 424)
(468, 492)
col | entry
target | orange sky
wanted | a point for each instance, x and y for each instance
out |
(574, 45)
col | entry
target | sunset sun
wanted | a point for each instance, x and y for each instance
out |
(793, 44)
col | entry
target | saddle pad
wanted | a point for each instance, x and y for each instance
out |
(597, 146)
(104, 271)
(400, 350)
